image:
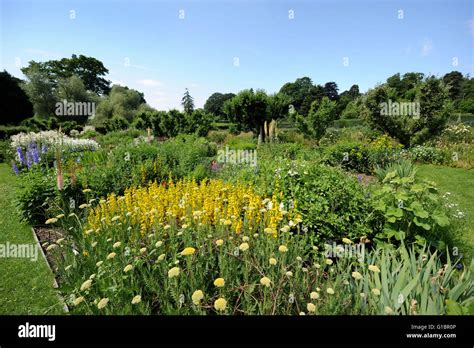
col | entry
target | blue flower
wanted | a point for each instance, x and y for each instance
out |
(21, 156)
(15, 168)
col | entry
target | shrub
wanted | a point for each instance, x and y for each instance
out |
(217, 137)
(428, 154)
(7, 131)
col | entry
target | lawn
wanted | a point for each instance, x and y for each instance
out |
(26, 286)
(460, 183)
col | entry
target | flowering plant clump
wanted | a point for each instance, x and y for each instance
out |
(187, 204)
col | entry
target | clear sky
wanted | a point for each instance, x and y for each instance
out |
(229, 45)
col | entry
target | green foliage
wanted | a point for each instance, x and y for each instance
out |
(333, 205)
(36, 191)
(215, 103)
(5, 151)
(413, 211)
(319, 118)
(116, 123)
(407, 127)
(7, 131)
(188, 103)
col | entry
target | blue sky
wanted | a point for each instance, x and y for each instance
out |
(147, 46)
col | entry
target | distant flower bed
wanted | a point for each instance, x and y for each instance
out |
(31, 148)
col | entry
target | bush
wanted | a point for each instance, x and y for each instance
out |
(428, 154)
(217, 137)
(116, 123)
(7, 131)
(35, 194)
(5, 151)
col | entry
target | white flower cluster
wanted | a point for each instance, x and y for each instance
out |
(52, 139)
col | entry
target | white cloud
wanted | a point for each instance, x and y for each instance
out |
(149, 83)
(470, 24)
(426, 47)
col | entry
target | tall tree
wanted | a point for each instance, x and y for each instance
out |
(454, 81)
(302, 93)
(214, 104)
(249, 108)
(14, 102)
(41, 90)
(90, 70)
(319, 118)
(331, 90)
(187, 102)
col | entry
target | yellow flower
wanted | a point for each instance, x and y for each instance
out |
(311, 307)
(314, 295)
(60, 216)
(219, 282)
(388, 310)
(272, 261)
(376, 292)
(356, 275)
(89, 231)
(268, 230)
(282, 249)
(167, 227)
(174, 272)
(158, 244)
(78, 300)
(197, 296)
(87, 190)
(219, 242)
(188, 251)
(51, 221)
(289, 274)
(265, 281)
(86, 285)
(329, 262)
(115, 218)
(220, 304)
(98, 264)
(245, 238)
(161, 257)
(117, 245)
(374, 268)
(244, 246)
(142, 250)
(51, 247)
(330, 291)
(285, 229)
(111, 256)
(346, 241)
(137, 299)
(227, 223)
(102, 303)
(128, 268)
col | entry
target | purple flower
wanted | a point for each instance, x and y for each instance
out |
(33, 151)
(15, 168)
(21, 156)
(359, 178)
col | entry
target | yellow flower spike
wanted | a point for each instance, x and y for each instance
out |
(86, 285)
(197, 296)
(311, 307)
(219, 282)
(188, 251)
(173, 272)
(137, 299)
(265, 281)
(102, 303)
(374, 268)
(282, 249)
(220, 304)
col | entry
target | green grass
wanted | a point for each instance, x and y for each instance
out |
(26, 287)
(460, 183)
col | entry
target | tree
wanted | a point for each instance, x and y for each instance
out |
(454, 81)
(40, 90)
(88, 69)
(249, 108)
(215, 103)
(14, 102)
(121, 101)
(331, 90)
(434, 109)
(302, 93)
(188, 103)
(278, 107)
(319, 118)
